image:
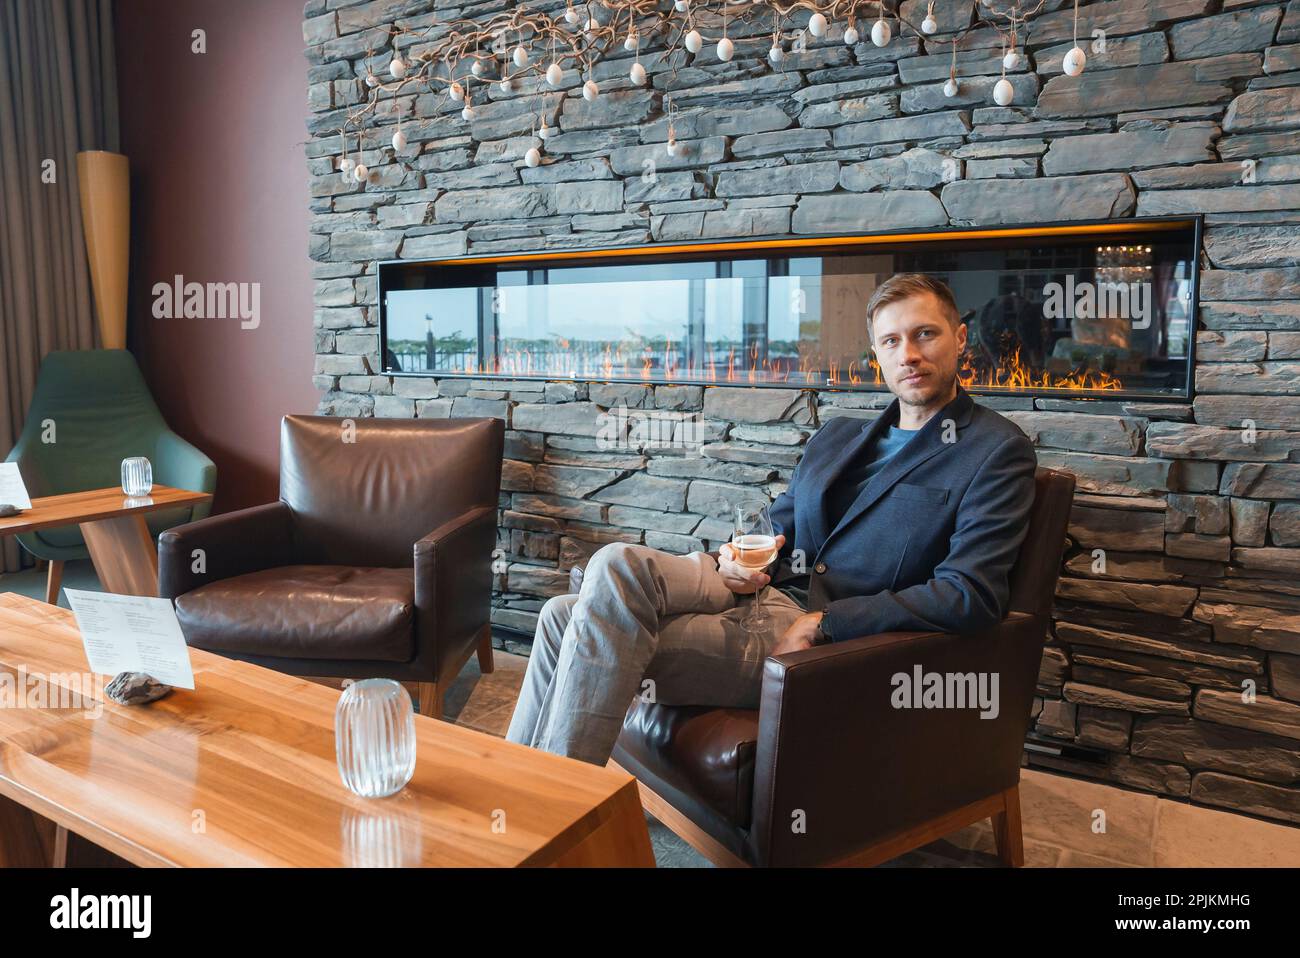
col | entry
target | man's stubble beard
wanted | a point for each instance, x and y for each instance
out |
(945, 390)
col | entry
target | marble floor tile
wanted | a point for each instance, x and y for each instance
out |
(1088, 817)
(1192, 835)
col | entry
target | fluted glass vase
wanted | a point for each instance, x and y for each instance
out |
(137, 476)
(374, 737)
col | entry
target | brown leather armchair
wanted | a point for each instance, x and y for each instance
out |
(376, 562)
(827, 771)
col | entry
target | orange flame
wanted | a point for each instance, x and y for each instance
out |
(613, 362)
(1016, 374)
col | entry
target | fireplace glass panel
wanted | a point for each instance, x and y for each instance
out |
(1101, 313)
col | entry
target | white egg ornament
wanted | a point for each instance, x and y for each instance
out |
(359, 172)
(555, 74)
(544, 131)
(520, 56)
(399, 141)
(533, 158)
(456, 92)
(637, 74)
(477, 68)
(397, 68)
(571, 15)
(817, 25)
(590, 91)
(851, 37)
(681, 6)
(1003, 92)
(346, 164)
(694, 42)
(506, 85)
(776, 54)
(1011, 60)
(929, 25)
(632, 42)
(881, 33)
(467, 113)
(1074, 61)
(672, 146)
(726, 49)
(950, 88)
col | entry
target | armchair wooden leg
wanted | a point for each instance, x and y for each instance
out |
(485, 663)
(1006, 829)
(54, 581)
(430, 696)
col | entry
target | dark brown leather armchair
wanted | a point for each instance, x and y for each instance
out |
(826, 771)
(376, 562)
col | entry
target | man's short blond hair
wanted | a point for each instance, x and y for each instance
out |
(906, 285)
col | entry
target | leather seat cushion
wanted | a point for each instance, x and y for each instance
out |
(305, 612)
(706, 753)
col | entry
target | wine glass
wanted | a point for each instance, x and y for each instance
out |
(755, 547)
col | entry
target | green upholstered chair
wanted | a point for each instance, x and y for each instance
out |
(96, 407)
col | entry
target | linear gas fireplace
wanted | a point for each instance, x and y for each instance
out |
(1083, 308)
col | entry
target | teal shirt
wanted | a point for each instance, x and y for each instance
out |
(846, 489)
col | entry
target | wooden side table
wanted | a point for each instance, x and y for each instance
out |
(114, 527)
(96, 782)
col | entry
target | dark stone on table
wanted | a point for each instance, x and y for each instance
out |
(135, 688)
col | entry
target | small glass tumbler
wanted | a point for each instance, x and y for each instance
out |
(374, 737)
(137, 476)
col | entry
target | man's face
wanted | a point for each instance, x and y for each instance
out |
(918, 350)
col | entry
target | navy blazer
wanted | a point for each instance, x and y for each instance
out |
(929, 542)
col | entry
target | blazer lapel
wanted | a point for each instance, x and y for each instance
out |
(927, 443)
(824, 479)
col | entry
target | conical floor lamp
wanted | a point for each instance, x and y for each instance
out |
(105, 180)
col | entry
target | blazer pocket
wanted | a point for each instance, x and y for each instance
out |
(905, 490)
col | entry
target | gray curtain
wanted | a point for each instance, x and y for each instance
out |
(58, 95)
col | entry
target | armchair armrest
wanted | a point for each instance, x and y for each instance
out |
(234, 543)
(180, 464)
(840, 742)
(453, 579)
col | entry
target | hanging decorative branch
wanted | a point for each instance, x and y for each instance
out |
(510, 47)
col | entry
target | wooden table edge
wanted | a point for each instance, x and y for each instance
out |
(609, 814)
(623, 806)
(95, 834)
(187, 497)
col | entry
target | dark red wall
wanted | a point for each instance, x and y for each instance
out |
(219, 194)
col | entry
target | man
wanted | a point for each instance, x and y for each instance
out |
(912, 521)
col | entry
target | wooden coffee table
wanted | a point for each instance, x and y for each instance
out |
(242, 772)
(116, 533)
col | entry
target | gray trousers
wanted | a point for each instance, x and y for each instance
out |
(645, 623)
